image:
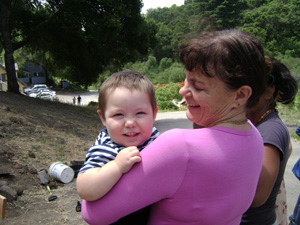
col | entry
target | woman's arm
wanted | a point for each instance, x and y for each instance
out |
(268, 176)
(157, 177)
(290, 148)
(95, 183)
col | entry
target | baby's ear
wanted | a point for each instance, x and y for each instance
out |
(101, 116)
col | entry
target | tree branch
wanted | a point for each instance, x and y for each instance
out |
(22, 43)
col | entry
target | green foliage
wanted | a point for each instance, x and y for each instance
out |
(165, 95)
(81, 41)
(174, 28)
(100, 80)
(106, 33)
(164, 63)
(163, 72)
(293, 64)
(80, 38)
(173, 74)
(295, 105)
(274, 24)
(290, 114)
(223, 14)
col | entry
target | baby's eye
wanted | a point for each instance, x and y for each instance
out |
(141, 113)
(118, 114)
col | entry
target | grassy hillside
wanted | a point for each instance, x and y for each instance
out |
(50, 131)
(35, 133)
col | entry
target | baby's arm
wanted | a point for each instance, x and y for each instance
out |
(95, 183)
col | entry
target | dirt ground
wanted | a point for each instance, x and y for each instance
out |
(35, 133)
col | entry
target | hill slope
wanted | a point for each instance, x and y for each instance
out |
(35, 133)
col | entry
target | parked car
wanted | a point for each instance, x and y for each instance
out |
(40, 91)
(44, 94)
(34, 93)
(34, 88)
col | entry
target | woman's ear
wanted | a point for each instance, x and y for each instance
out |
(269, 92)
(101, 116)
(243, 94)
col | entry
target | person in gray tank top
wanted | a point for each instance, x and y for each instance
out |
(282, 87)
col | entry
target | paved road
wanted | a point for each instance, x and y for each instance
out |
(169, 120)
(86, 96)
(292, 183)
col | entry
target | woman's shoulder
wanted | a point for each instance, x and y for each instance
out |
(273, 124)
(178, 134)
(170, 145)
(173, 141)
(275, 132)
(174, 135)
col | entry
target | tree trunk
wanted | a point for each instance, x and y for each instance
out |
(12, 82)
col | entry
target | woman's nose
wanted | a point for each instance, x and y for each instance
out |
(184, 90)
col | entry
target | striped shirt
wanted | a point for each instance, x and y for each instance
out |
(105, 149)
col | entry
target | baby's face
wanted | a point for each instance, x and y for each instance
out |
(129, 116)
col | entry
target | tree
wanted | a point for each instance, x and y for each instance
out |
(7, 45)
(82, 36)
(222, 14)
(173, 29)
(16, 16)
(275, 24)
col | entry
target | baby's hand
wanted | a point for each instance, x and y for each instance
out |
(127, 157)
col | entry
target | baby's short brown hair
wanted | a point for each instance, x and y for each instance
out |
(130, 79)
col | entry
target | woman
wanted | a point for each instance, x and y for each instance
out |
(282, 87)
(200, 176)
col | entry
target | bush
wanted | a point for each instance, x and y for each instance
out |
(165, 94)
(296, 103)
(164, 71)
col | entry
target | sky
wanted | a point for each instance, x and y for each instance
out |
(160, 3)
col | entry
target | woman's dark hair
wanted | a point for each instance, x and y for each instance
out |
(235, 57)
(286, 87)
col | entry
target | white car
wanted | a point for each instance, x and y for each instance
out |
(44, 94)
(35, 88)
(35, 93)
(40, 91)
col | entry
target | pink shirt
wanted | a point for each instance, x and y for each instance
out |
(203, 176)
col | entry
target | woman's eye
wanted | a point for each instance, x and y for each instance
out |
(197, 88)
